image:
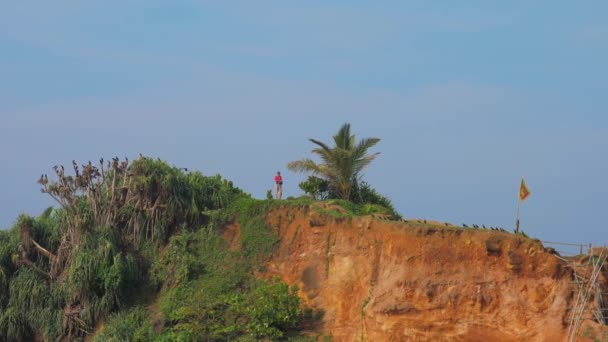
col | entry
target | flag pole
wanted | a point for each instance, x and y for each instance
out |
(523, 194)
(517, 220)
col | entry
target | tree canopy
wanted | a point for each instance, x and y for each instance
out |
(340, 165)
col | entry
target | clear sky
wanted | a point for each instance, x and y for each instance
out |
(467, 97)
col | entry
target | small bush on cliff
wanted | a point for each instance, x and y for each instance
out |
(130, 325)
(365, 194)
(271, 308)
(317, 188)
(366, 199)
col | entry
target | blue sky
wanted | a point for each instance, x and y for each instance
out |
(466, 98)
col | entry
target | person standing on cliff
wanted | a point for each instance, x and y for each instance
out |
(279, 182)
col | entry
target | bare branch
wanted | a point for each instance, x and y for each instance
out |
(44, 251)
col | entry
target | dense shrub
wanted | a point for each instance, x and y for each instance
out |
(363, 193)
(129, 325)
(271, 308)
(317, 188)
(367, 199)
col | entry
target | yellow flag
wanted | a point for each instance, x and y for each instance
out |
(523, 191)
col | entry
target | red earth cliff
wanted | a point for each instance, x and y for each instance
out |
(380, 280)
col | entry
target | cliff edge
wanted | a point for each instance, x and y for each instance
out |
(382, 280)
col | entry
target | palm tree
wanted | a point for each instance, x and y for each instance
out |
(340, 165)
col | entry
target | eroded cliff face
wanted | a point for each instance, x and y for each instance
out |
(379, 280)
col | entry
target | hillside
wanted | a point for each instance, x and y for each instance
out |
(144, 251)
(380, 280)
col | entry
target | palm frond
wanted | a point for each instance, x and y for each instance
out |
(327, 156)
(343, 139)
(304, 165)
(321, 144)
(364, 145)
(361, 163)
(341, 164)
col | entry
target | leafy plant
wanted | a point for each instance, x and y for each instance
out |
(271, 309)
(317, 188)
(129, 325)
(363, 193)
(341, 165)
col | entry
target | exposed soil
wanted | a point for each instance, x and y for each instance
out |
(380, 280)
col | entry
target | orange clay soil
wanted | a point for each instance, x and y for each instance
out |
(380, 280)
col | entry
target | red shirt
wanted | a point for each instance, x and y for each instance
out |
(278, 179)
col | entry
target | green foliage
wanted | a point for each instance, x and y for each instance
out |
(188, 198)
(297, 202)
(363, 193)
(210, 292)
(364, 305)
(271, 309)
(317, 188)
(33, 307)
(44, 228)
(28, 305)
(341, 165)
(129, 325)
(338, 175)
(99, 276)
(257, 238)
(366, 199)
(102, 274)
(350, 209)
(131, 231)
(8, 248)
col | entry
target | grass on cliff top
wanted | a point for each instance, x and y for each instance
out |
(335, 208)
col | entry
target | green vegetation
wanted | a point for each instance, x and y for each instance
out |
(346, 209)
(338, 176)
(129, 325)
(317, 188)
(364, 305)
(210, 292)
(135, 252)
(340, 165)
(137, 248)
(372, 201)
